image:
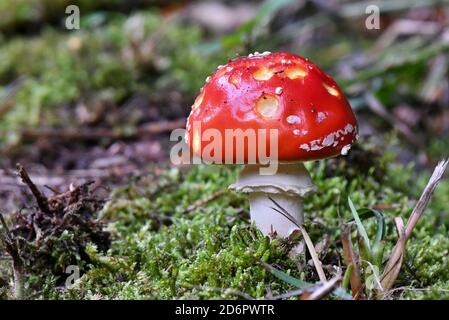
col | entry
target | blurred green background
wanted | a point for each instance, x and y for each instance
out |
(134, 62)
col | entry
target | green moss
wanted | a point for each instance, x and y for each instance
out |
(163, 252)
(99, 61)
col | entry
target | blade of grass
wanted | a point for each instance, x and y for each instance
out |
(360, 227)
(298, 283)
(366, 213)
(347, 277)
(375, 273)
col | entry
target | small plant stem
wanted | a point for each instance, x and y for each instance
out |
(17, 263)
(421, 205)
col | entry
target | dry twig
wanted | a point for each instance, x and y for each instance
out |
(40, 198)
(17, 264)
(394, 264)
(321, 291)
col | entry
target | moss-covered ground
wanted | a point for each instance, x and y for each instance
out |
(164, 248)
(178, 233)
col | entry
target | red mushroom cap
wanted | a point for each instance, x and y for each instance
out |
(273, 91)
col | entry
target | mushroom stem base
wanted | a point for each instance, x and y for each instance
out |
(269, 220)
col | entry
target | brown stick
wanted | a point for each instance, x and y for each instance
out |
(40, 198)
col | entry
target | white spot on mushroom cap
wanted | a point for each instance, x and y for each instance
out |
(198, 101)
(292, 119)
(314, 145)
(331, 90)
(267, 105)
(321, 116)
(257, 53)
(329, 140)
(278, 90)
(349, 127)
(295, 72)
(263, 74)
(235, 80)
(344, 151)
(285, 61)
(301, 132)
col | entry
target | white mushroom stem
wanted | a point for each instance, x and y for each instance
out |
(287, 187)
(268, 220)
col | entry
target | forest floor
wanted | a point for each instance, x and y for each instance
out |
(98, 104)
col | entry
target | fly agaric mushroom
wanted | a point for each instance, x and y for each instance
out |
(266, 91)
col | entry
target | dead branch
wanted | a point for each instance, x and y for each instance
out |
(40, 198)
